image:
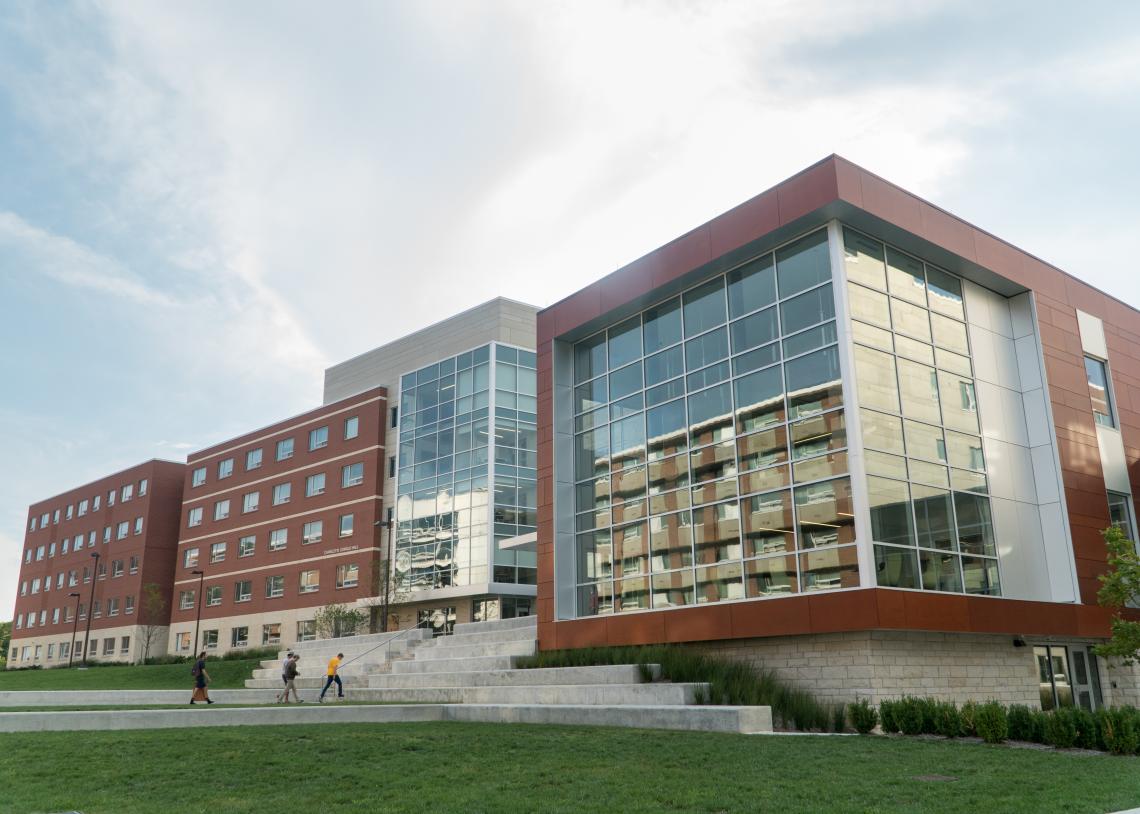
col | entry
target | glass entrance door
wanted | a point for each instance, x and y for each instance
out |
(1085, 678)
(1053, 674)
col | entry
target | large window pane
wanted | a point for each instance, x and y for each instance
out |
(924, 441)
(627, 441)
(706, 349)
(768, 523)
(959, 404)
(770, 576)
(663, 325)
(975, 524)
(752, 286)
(756, 359)
(667, 364)
(595, 556)
(810, 308)
(825, 513)
(876, 379)
(813, 383)
(965, 451)
(716, 532)
(829, 569)
(949, 334)
(905, 277)
(590, 395)
(919, 390)
(1097, 375)
(940, 571)
(945, 293)
(934, 522)
(591, 454)
(881, 431)
(625, 343)
(589, 358)
(864, 259)
(910, 319)
(719, 583)
(631, 549)
(761, 449)
(710, 415)
(755, 329)
(896, 567)
(819, 434)
(673, 589)
(810, 339)
(869, 306)
(803, 264)
(713, 462)
(628, 484)
(665, 427)
(890, 511)
(760, 399)
(981, 576)
(625, 381)
(671, 541)
(668, 474)
(704, 307)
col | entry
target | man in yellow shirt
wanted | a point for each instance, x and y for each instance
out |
(334, 665)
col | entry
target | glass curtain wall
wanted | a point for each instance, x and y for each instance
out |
(926, 472)
(710, 443)
(467, 448)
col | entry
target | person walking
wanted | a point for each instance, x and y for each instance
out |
(291, 673)
(201, 679)
(284, 669)
(334, 665)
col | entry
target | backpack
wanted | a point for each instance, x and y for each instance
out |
(194, 670)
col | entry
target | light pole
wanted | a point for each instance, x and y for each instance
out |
(90, 606)
(74, 628)
(198, 621)
(387, 573)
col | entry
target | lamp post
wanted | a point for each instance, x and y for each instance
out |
(90, 606)
(74, 628)
(198, 621)
(387, 573)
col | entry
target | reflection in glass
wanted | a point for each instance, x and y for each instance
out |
(810, 339)
(633, 593)
(714, 490)
(934, 522)
(918, 386)
(768, 523)
(760, 399)
(666, 429)
(764, 479)
(663, 325)
(704, 307)
(959, 403)
(710, 415)
(673, 589)
(590, 395)
(929, 473)
(595, 556)
(631, 550)
(706, 349)
(829, 568)
(819, 434)
(803, 264)
(896, 567)
(770, 576)
(863, 259)
(627, 442)
(825, 513)
(881, 431)
(890, 511)
(625, 381)
(945, 293)
(912, 348)
(756, 359)
(596, 599)
(809, 308)
(713, 462)
(905, 277)
(975, 524)
(716, 532)
(589, 358)
(949, 334)
(667, 364)
(625, 343)
(939, 571)
(591, 453)
(868, 335)
(910, 319)
(756, 329)
(671, 541)
(668, 474)
(924, 441)
(825, 466)
(720, 582)
(628, 484)
(869, 306)
(763, 448)
(752, 286)
(877, 381)
(965, 451)
(813, 383)
(880, 463)
(980, 576)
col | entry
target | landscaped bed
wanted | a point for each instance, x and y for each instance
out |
(225, 674)
(454, 767)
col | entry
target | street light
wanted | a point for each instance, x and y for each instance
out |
(201, 579)
(90, 606)
(387, 572)
(74, 628)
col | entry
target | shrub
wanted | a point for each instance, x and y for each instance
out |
(1088, 735)
(1061, 728)
(991, 721)
(1020, 723)
(967, 715)
(839, 718)
(1039, 720)
(863, 716)
(910, 715)
(258, 653)
(1118, 730)
(948, 721)
(888, 716)
(929, 709)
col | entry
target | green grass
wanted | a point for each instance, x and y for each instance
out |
(468, 768)
(225, 675)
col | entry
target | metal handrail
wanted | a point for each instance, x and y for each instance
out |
(387, 643)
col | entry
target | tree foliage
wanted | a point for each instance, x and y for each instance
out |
(1120, 588)
(152, 616)
(333, 621)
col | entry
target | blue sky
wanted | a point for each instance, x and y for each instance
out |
(202, 205)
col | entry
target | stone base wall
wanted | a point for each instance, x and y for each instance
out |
(1121, 683)
(877, 665)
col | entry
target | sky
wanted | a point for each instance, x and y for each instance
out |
(203, 205)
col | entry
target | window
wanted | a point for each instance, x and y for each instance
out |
(1120, 514)
(346, 525)
(306, 630)
(28, 556)
(190, 558)
(113, 606)
(97, 608)
(186, 600)
(55, 615)
(239, 637)
(44, 520)
(217, 552)
(106, 534)
(39, 553)
(214, 595)
(209, 640)
(32, 524)
(318, 438)
(222, 509)
(315, 485)
(124, 645)
(246, 546)
(312, 532)
(129, 605)
(310, 582)
(95, 502)
(128, 492)
(352, 475)
(133, 566)
(124, 530)
(51, 550)
(1097, 373)
(51, 651)
(225, 468)
(24, 588)
(274, 587)
(284, 449)
(142, 487)
(243, 590)
(138, 525)
(36, 585)
(102, 570)
(281, 493)
(86, 575)
(55, 514)
(351, 428)
(59, 581)
(250, 502)
(109, 646)
(82, 509)
(271, 633)
(72, 579)
(64, 649)
(116, 568)
(194, 517)
(253, 459)
(278, 538)
(395, 417)
(182, 641)
(70, 511)
(198, 477)
(391, 466)
(347, 575)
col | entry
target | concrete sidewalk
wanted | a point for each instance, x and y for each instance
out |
(118, 698)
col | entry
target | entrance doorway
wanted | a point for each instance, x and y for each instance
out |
(1068, 676)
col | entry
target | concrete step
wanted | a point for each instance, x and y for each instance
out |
(357, 668)
(497, 624)
(621, 674)
(612, 694)
(712, 719)
(452, 665)
(476, 651)
(508, 635)
(360, 642)
(102, 698)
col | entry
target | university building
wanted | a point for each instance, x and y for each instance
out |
(97, 567)
(841, 433)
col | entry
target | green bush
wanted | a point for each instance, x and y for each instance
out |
(1039, 721)
(863, 716)
(929, 709)
(729, 682)
(258, 653)
(967, 715)
(910, 715)
(1061, 728)
(888, 716)
(948, 721)
(1118, 730)
(1020, 723)
(1088, 734)
(839, 718)
(991, 722)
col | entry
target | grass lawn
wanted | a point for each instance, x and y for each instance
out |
(225, 675)
(452, 767)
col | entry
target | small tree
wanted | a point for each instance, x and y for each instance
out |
(1120, 587)
(333, 621)
(152, 616)
(5, 640)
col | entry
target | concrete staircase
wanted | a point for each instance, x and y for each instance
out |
(363, 655)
